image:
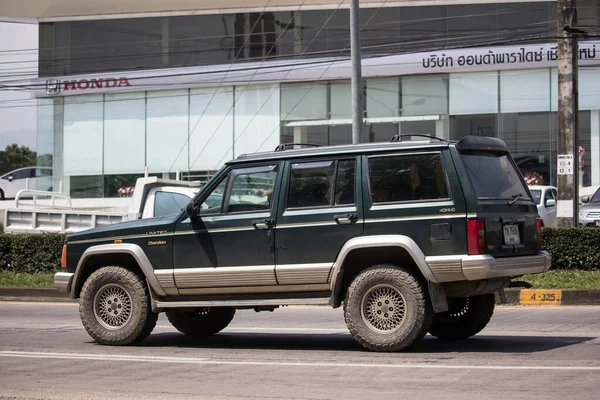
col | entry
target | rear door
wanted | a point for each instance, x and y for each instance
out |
(320, 210)
(501, 199)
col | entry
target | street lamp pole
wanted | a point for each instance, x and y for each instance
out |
(357, 89)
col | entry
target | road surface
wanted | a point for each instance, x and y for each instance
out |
(299, 353)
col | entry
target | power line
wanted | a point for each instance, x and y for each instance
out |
(236, 100)
(277, 128)
(419, 21)
(432, 42)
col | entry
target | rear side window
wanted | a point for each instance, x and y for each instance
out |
(404, 178)
(493, 176)
(537, 195)
(321, 184)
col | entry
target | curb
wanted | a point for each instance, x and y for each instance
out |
(34, 294)
(551, 297)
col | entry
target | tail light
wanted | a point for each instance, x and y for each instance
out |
(63, 257)
(476, 236)
(539, 224)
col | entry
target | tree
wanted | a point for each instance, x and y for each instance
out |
(15, 156)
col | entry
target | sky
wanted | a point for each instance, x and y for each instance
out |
(17, 124)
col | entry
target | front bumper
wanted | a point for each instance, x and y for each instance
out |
(587, 222)
(62, 281)
(473, 268)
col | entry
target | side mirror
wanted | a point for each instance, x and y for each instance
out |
(550, 203)
(585, 199)
(10, 178)
(191, 210)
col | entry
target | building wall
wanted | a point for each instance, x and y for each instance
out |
(102, 142)
(197, 90)
(84, 47)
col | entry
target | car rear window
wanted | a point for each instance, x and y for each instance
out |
(493, 176)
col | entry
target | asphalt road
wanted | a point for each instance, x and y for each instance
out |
(299, 353)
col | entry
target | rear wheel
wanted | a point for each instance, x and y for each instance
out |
(387, 308)
(466, 317)
(114, 307)
(2, 194)
(203, 322)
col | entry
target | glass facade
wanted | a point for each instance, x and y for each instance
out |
(80, 47)
(100, 143)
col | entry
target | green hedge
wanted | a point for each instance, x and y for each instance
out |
(573, 248)
(31, 253)
(570, 248)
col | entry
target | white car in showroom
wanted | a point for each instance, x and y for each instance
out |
(545, 197)
(35, 178)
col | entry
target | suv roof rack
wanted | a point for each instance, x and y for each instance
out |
(284, 146)
(398, 138)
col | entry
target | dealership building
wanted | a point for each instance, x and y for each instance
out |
(128, 86)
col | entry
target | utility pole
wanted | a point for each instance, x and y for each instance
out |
(568, 114)
(357, 90)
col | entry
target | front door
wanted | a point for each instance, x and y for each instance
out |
(229, 248)
(319, 210)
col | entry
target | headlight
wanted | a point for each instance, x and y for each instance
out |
(582, 214)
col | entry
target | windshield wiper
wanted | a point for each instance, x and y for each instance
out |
(515, 198)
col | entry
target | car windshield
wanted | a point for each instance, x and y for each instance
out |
(596, 197)
(493, 176)
(537, 195)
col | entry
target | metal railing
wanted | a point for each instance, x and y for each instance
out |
(35, 194)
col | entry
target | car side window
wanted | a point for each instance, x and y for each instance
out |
(166, 203)
(405, 178)
(214, 202)
(24, 173)
(251, 191)
(549, 196)
(321, 184)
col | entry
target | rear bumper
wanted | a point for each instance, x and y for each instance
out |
(473, 268)
(62, 281)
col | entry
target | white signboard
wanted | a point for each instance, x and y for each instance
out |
(492, 58)
(564, 209)
(565, 164)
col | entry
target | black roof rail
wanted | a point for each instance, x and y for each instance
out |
(398, 138)
(284, 146)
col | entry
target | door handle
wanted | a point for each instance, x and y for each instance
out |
(345, 219)
(263, 224)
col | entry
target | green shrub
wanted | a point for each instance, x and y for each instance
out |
(570, 248)
(31, 253)
(573, 248)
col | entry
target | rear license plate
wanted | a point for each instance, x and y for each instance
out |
(511, 234)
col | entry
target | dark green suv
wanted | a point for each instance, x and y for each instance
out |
(410, 236)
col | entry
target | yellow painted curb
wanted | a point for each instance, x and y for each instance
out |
(540, 297)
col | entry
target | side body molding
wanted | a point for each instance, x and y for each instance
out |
(123, 248)
(361, 242)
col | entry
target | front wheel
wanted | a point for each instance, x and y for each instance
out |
(203, 322)
(387, 308)
(466, 317)
(114, 307)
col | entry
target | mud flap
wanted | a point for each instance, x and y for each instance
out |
(438, 297)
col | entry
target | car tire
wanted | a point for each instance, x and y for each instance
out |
(2, 195)
(466, 317)
(114, 307)
(203, 322)
(387, 308)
